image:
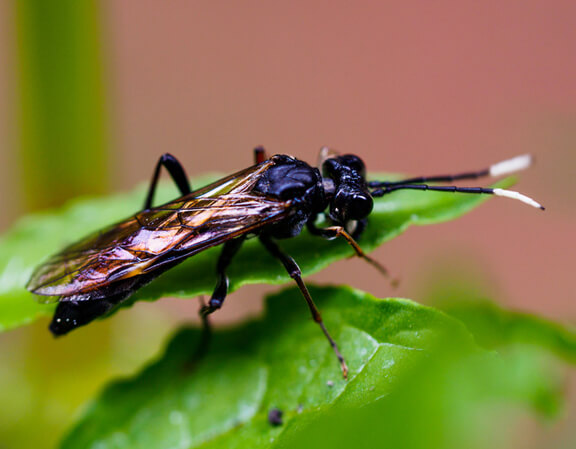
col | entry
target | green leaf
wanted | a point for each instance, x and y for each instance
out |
(282, 362)
(449, 401)
(495, 327)
(36, 237)
(453, 399)
(417, 380)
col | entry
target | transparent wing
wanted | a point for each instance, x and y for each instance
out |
(145, 242)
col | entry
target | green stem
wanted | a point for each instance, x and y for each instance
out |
(62, 116)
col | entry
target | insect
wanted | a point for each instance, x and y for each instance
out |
(272, 200)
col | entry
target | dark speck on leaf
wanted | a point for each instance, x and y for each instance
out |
(275, 417)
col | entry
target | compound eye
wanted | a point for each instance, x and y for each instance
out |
(352, 206)
(359, 207)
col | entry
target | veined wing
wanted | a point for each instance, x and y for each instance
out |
(207, 217)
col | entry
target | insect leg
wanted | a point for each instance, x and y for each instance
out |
(499, 169)
(229, 250)
(294, 271)
(259, 155)
(176, 171)
(338, 231)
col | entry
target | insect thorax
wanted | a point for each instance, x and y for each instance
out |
(296, 182)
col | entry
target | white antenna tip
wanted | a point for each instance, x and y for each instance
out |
(517, 196)
(511, 165)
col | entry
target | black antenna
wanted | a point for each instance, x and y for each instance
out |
(501, 168)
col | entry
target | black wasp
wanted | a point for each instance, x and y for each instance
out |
(272, 200)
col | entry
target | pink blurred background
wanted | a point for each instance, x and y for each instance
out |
(416, 87)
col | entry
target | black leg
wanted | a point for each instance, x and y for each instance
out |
(259, 155)
(295, 273)
(229, 250)
(176, 171)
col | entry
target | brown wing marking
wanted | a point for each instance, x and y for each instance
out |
(178, 229)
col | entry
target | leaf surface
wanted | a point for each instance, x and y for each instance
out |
(417, 380)
(283, 362)
(494, 327)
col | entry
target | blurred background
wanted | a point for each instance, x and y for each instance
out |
(92, 93)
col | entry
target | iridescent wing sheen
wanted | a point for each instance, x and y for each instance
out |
(152, 238)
